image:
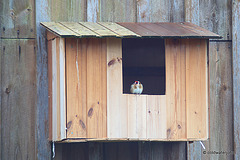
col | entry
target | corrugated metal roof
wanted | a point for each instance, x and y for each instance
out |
(121, 30)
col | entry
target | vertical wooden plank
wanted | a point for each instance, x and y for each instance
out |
(236, 76)
(220, 63)
(120, 151)
(50, 88)
(62, 88)
(156, 117)
(96, 88)
(54, 91)
(93, 10)
(18, 95)
(76, 59)
(196, 89)
(117, 11)
(1, 53)
(137, 116)
(17, 19)
(212, 15)
(176, 88)
(67, 10)
(116, 102)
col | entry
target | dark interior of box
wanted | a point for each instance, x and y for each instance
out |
(144, 61)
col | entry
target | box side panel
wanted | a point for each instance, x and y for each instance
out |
(50, 87)
(117, 108)
(175, 50)
(196, 89)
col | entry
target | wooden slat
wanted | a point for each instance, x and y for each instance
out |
(59, 29)
(113, 11)
(76, 61)
(116, 103)
(100, 30)
(54, 91)
(50, 87)
(156, 117)
(18, 99)
(157, 29)
(137, 116)
(196, 89)
(96, 88)
(17, 19)
(236, 75)
(198, 30)
(138, 29)
(62, 88)
(121, 31)
(175, 53)
(79, 29)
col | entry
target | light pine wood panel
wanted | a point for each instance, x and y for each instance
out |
(117, 109)
(96, 88)
(156, 117)
(176, 88)
(196, 89)
(50, 88)
(76, 59)
(137, 116)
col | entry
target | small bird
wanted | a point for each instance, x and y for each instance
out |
(136, 87)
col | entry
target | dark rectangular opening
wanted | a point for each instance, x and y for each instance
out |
(144, 61)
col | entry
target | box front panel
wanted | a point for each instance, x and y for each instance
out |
(86, 87)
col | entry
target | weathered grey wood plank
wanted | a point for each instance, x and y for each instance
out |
(17, 19)
(236, 74)
(43, 11)
(160, 11)
(18, 94)
(116, 11)
(212, 15)
(67, 10)
(120, 151)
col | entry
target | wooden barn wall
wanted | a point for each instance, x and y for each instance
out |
(24, 84)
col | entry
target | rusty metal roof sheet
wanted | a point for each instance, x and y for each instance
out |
(126, 29)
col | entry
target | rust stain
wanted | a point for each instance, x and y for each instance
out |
(69, 124)
(143, 15)
(90, 112)
(110, 63)
(82, 124)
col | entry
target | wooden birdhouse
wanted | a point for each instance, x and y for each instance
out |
(91, 67)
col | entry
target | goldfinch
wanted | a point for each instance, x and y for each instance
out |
(136, 87)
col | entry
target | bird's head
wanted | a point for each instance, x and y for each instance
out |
(137, 82)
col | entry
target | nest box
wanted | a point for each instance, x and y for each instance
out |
(91, 67)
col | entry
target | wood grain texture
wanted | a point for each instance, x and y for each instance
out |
(160, 11)
(137, 116)
(176, 88)
(76, 61)
(17, 19)
(96, 88)
(156, 117)
(117, 110)
(67, 10)
(212, 15)
(18, 99)
(196, 89)
(236, 76)
(116, 11)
